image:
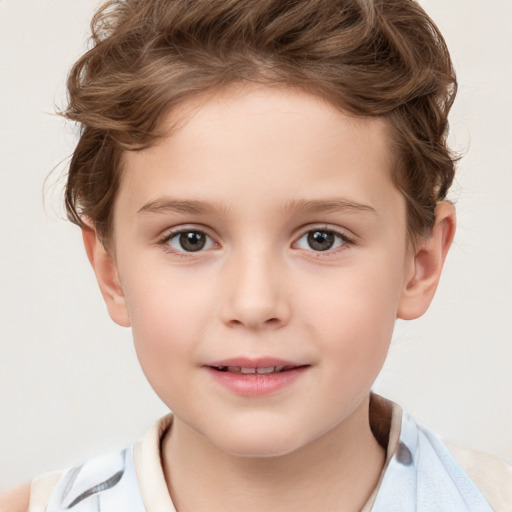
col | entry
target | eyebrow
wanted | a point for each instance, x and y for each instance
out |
(311, 206)
(331, 205)
(166, 205)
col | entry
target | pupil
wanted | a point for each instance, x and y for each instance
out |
(321, 240)
(192, 241)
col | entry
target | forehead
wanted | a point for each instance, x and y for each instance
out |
(263, 145)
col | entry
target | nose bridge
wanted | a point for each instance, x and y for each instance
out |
(255, 296)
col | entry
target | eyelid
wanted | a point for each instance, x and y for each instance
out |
(171, 233)
(345, 235)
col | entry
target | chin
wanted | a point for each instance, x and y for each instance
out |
(258, 443)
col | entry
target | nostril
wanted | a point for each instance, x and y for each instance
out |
(273, 322)
(252, 314)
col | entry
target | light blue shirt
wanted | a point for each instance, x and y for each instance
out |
(422, 476)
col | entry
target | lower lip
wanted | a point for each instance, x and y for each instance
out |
(257, 384)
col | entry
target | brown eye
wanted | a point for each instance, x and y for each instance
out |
(192, 241)
(189, 241)
(321, 240)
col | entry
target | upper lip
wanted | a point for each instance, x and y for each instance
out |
(247, 362)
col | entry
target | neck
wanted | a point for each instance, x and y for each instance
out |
(336, 472)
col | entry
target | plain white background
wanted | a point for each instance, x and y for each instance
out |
(70, 385)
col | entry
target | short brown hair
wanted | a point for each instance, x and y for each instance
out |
(367, 57)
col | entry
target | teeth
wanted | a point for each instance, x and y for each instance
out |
(271, 369)
(252, 371)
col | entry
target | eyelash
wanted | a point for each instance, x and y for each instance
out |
(165, 241)
(344, 241)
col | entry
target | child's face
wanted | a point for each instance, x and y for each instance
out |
(265, 232)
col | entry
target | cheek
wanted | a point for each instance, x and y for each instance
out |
(358, 339)
(165, 304)
(352, 314)
(167, 319)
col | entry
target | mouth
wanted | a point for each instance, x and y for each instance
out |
(251, 370)
(256, 377)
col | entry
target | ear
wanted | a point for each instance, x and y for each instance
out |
(106, 274)
(428, 259)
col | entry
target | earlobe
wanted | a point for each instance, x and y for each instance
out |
(105, 269)
(428, 260)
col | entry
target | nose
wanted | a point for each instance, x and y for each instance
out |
(255, 295)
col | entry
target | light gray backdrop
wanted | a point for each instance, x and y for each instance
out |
(70, 385)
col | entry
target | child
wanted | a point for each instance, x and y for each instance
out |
(261, 190)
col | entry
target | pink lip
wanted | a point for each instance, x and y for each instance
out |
(255, 384)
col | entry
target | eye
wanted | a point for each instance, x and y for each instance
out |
(321, 240)
(189, 241)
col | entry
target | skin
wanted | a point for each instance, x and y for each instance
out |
(257, 170)
(15, 500)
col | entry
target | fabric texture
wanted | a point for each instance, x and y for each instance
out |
(421, 474)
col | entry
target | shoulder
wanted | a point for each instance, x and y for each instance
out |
(31, 497)
(111, 475)
(115, 475)
(460, 478)
(15, 500)
(41, 489)
(490, 474)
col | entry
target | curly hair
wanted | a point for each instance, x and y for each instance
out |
(366, 57)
